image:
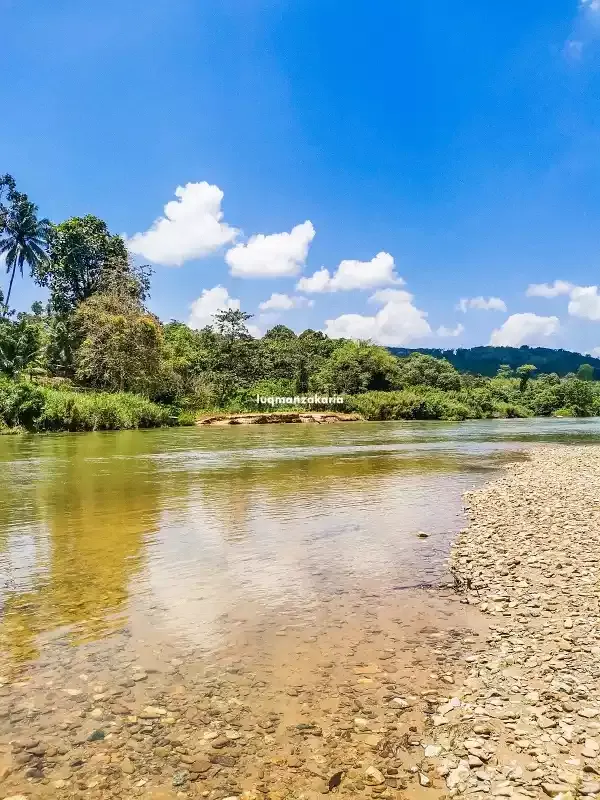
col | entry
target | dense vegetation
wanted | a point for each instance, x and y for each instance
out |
(94, 357)
(487, 360)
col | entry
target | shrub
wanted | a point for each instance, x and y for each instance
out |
(41, 408)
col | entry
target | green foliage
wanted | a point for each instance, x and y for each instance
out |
(23, 237)
(424, 370)
(487, 360)
(410, 404)
(356, 367)
(525, 371)
(85, 258)
(21, 343)
(121, 345)
(41, 408)
(585, 372)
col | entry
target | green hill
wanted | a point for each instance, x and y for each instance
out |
(487, 360)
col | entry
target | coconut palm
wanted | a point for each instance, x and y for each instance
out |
(23, 239)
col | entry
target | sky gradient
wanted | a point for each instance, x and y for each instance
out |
(417, 174)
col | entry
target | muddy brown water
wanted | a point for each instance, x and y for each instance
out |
(287, 552)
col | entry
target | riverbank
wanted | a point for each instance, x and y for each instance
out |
(526, 722)
(279, 417)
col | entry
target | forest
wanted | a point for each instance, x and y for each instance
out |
(94, 357)
(487, 360)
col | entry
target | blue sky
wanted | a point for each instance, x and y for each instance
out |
(422, 153)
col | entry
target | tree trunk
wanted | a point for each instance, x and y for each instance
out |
(12, 277)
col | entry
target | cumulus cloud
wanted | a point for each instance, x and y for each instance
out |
(398, 321)
(524, 329)
(585, 302)
(272, 255)
(283, 302)
(595, 351)
(481, 303)
(443, 331)
(191, 227)
(206, 306)
(352, 274)
(548, 290)
(319, 281)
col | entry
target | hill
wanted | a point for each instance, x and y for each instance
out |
(486, 360)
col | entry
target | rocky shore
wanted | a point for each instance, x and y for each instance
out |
(279, 417)
(490, 689)
(526, 723)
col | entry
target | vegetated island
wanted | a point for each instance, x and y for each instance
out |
(95, 358)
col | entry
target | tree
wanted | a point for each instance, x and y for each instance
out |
(8, 188)
(525, 372)
(21, 343)
(358, 367)
(579, 396)
(231, 324)
(85, 258)
(121, 345)
(23, 238)
(585, 372)
(504, 371)
(424, 370)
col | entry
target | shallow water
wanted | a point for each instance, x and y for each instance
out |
(201, 535)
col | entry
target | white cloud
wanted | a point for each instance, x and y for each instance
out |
(273, 255)
(206, 306)
(352, 274)
(443, 331)
(284, 302)
(595, 351)
(396, 323)
(524, 329)
(585, 302)
(191, 227)
(548, 290)
(590, 5)
(481, 303)
(318, 282)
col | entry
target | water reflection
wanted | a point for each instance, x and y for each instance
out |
(192, 531)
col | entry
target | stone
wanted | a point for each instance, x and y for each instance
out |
(424, 780)
(127, 766)
(373, 776)
(458, 775)
(554, 789)
(432, 750)
(180, 778)
(152, 712)
(200, 765)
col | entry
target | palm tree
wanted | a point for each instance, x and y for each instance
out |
(23, 240)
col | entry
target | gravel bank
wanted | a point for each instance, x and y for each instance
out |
(527, 721)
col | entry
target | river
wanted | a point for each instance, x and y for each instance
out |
(143, 555)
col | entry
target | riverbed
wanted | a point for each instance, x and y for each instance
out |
(207, 612)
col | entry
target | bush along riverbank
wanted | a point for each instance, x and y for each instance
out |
(54, 405)
(27, 406)
(526, 721)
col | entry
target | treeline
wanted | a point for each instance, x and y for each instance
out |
(487, 360)
(94, 357)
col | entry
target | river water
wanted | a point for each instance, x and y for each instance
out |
(285, 548)
(191, 528)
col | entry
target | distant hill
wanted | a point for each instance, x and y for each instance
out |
(487, 360)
